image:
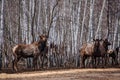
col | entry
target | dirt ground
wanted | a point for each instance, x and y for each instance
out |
(66, 74)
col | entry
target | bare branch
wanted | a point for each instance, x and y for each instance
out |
(52, 17)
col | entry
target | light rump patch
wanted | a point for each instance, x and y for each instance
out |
(14, 48)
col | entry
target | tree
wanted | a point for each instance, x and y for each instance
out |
(100, 19)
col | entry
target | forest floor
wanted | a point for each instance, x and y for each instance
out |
(65, 74)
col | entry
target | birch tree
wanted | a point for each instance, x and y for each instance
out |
(115, 33)
(77, 32)
(90, 26)
(83, 21)
(67, 22)
(100, 19)
(1, 31)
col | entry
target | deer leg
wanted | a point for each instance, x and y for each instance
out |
(83, 58)
(14, 61)
(18, 60)
(115, 60)
(92, 59)
(106, 60)
(35, 62)
(94, 62)
(46, 57)
(42, 59)
(81, 61)
(112, 61)
(87, 63)
(14, 64)
(103, 62)
(15, 67)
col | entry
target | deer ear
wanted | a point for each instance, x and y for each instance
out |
(100, 39)
(46, 36)
(105, 39)
(40, 36)
(93, 39)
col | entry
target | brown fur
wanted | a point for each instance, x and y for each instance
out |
(114, 55)
(88, 50)
(29, 50)
(96, 49)
(102, 52)
(55, 53)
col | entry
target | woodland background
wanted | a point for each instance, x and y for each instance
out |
(70, 24)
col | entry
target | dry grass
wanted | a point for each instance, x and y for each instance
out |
(71, 74)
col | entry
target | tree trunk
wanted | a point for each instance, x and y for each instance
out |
(115, 33)
(100, 19)
(90, 21)
(1, 31)
(83, 22)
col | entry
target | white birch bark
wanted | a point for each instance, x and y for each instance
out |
(38, 18)
(83, 21)
(64, 25)
(115, 33)
(90, 20)
(118, 39)
(78, 22)
(100, 19)
(23, 21)
(71, 25)
(1, 32)
(46, 21)
(1, 22)
(29, 22)
(76, 33)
